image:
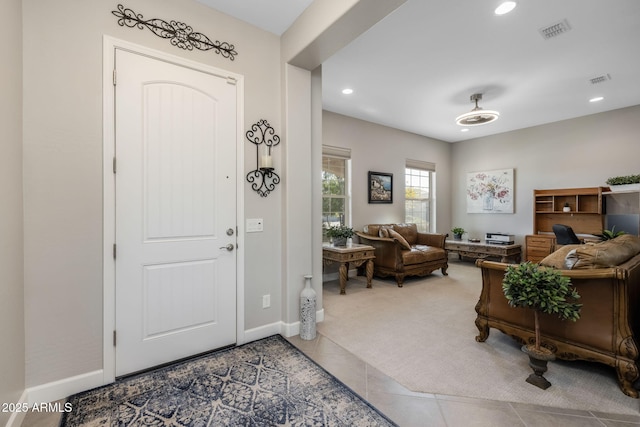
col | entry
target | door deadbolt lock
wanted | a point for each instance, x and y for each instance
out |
(229, 247)
(229, 231)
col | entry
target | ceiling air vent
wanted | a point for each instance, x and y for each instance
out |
(555, 30)
(600, 79)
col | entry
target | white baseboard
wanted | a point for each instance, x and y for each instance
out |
(262, 332)
(61, 389)
(282, 328)
(16, 418)
(66, 387)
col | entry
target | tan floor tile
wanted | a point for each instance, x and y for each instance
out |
(42, 419)
(346, 367)
(634, 419)
(546, 419)
(408, 411)
(378, 381)
(480, 414)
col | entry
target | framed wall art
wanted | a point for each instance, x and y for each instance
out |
(380, 187)
(490, 191)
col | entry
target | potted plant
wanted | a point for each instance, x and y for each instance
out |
(339, 234)
(610, 234)
(624, 183)
(457, 232)
(543, 290)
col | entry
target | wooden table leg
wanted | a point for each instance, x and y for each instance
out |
(369, 272)
(343, 278)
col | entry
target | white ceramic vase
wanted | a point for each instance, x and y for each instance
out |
(307, 311)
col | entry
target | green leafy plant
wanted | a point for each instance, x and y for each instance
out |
(622, 180)
(610, 234)
(338, 231)
(458, 230)
(542, 289)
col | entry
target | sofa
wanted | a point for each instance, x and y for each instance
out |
(607, 277)
(401, 250)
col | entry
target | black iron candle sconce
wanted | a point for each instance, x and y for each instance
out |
(263, 179)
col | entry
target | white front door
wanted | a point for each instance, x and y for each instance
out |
(175, 212)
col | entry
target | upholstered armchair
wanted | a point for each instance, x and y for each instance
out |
(402, 251)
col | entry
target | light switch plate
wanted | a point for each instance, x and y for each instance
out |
(254, 225)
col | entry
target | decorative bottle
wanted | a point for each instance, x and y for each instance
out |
(307, 311)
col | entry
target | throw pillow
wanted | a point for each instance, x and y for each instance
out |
(408, 231)
(631, 241)
(606, 254)
(398, 237)
(384, 232)
(557, 259)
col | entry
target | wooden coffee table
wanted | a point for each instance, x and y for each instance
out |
(354, 254)
(484, 250)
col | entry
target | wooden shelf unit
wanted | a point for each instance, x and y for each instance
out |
(585, 217)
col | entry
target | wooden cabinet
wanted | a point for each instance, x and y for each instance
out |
(538, 246)
(585, 215)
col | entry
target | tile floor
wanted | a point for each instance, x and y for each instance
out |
(412, 409)
(409, 409)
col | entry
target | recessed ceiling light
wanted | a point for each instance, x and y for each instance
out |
(505, 8)
(464, 130)
(596, 99)
(347, 91)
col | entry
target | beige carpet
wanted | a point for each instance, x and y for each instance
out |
(423, 336)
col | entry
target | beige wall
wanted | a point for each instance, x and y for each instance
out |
(63, 169)
(383, 149)
(582, 152)
(62, 144)
(11, 254)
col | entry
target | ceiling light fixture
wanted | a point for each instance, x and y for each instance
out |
(477, 116)
(505, 8)
(347, 91)
(596, 99)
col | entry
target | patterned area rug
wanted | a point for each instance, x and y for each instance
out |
(264, 383)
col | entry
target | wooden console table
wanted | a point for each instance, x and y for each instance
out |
(465, 248)
(354, 254)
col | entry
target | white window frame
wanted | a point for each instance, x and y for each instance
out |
(431, 169)
(342, 154)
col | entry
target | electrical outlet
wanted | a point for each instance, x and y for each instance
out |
(266, 301)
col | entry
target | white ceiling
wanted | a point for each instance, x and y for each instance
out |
(416, 69)
(274, 16)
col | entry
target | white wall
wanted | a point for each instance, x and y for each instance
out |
(63, 168)
(383, 149)
(581, 152)
(11, 248)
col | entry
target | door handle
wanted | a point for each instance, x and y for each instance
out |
(229, 247)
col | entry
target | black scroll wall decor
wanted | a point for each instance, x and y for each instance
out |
(179, 33)
(263, 179)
